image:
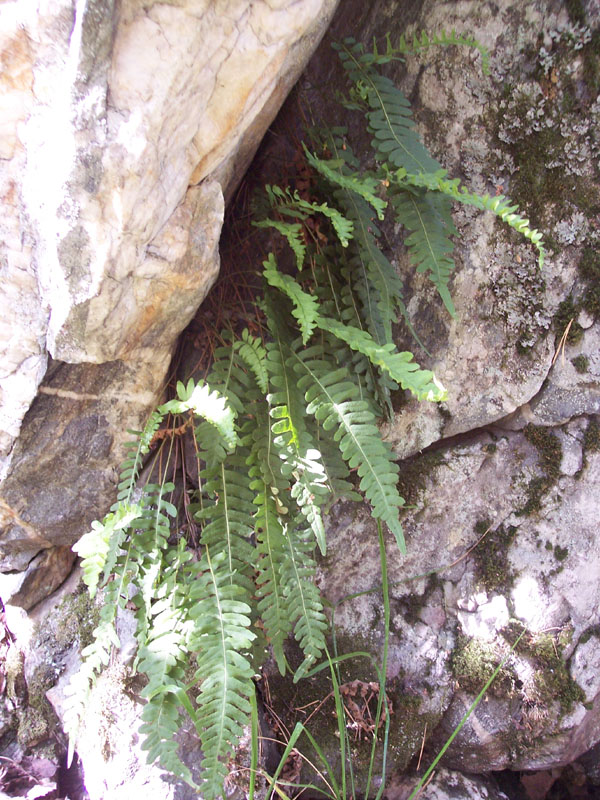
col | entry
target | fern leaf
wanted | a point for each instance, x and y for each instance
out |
(331, 398)
(94, 547)
(421, 42)
(303, 597)
(390, 118)
(400, 366)
(306, 307)
(220, 637)
(162, 659)
(254, 355)
(498, 205)
(229, 521)
(428, 218)
(374, 277)
(273, 605)
(292, 232)
(291, 204)
(207, 403)
(362, 185)
(301, 460)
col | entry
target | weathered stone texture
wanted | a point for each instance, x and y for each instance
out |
(122, 128)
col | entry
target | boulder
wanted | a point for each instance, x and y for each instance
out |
(123, 129)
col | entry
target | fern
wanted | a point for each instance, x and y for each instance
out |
(273, 604)
(331, 396)
(422, 42)
(278, 429)
(389, 115)
(400, 366)
(301, 460)
(305, 307)
(427, 218)
(498, 205)
(303, 598)
(221, 635)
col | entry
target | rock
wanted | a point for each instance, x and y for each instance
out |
(43, 575)
(512, 564)
(135, 122)
(447, 785)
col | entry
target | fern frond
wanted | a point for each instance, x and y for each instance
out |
(375, 279)
(291, 204)
(421, 42)
(220, 638)
(362, 185)
(301, 461)
(427, 217)
(94, 547)
(498, 205)
(230, 378)
(306, 307)
(331, 398)
(292, 232)
(206, 403)
(390, 117)
(400, 366)
(254, 355)
(304, 600)
(273, 605)
(162, 658)
(228, 523)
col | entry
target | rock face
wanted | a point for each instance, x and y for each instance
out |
(502, 533)
(123, 127)
(502, 518)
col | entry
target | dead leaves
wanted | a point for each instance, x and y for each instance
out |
(360, 702)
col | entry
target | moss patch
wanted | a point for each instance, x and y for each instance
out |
(413, 474)
(581, 363)
(565, 321)
(473, 662)
(591, 437)
(549, 451)
(491, 555)
(552, 680)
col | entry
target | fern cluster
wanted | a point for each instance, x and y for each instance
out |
(285, 424)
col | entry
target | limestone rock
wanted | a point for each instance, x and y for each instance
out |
(447, 785)
(489, 554)
(43, 575)
(122, 128)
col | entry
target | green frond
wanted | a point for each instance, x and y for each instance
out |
(208, 404)
(221, 637)
(362, 185)
(389, 117)
(304, 601)
(291, 204)
(306, 307)
(373, 276)
(292, 232)
(301, 461)
(254, 355)
(498, 205)
(422, 42)
(400, 366)
(427, 217)
(162, 658)
(331, 397)
(94, 547)
(227, 524)
(230, 377)
(273, 605)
